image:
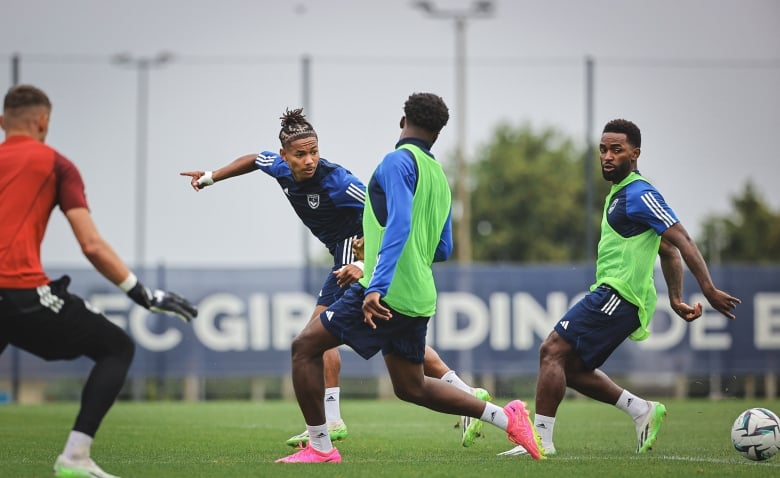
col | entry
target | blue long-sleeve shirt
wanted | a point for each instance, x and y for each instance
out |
(391, 201)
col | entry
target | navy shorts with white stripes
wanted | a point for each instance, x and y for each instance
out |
(402, 336)
(330, 290)
(597, 324)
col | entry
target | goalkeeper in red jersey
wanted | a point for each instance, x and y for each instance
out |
(39, 315)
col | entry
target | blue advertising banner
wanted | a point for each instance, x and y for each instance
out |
(490, 319)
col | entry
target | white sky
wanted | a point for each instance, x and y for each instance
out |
(701, 78)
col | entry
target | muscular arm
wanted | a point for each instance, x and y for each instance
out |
(107, 262)
(241, 165)
(671, 265)
(99, 253)
(678, 237)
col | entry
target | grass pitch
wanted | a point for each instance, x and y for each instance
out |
(388, 438)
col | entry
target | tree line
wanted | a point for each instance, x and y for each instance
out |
(528, 198)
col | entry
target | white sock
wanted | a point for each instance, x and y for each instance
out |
(319, 438)
(452, 377)
(544, 427)
(495, 415)
(634, 406)
(332, 407)
(78, 445)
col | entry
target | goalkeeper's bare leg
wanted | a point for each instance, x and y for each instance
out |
(332, 366)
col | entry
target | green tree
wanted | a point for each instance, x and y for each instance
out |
(528, 198)
(751, 233)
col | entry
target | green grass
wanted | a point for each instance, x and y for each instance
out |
(388, 438)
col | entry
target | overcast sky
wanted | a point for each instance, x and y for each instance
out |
(701, 78)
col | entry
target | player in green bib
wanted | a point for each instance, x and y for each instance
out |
(407, 227)
(637, 227)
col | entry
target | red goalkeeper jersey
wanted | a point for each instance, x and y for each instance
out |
(33, 179)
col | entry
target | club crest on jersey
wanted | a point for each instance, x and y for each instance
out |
(314, 200)
(613, 205)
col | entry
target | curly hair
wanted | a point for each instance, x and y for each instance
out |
(295, 126)
(626, 127)
(427, 111)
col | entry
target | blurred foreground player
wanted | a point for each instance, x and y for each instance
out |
(39, 315)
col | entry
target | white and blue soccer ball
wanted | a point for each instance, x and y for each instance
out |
(756, 434)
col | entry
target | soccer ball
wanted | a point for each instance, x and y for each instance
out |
(756, 434)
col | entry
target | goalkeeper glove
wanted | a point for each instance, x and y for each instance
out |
(160, 301)
(167, 302)
(140, 295)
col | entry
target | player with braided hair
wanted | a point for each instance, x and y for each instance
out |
(329, 200)
(407, 225)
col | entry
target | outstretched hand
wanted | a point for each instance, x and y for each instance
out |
(170, 303)
(162, 301)
(719, 300)
(194, 179)
(723, 302)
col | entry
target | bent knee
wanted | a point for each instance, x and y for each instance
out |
(114, 342)
(310, 343)
(127, 349)
(554, 346)
(409, 392)
(408, 395)
(299, 345)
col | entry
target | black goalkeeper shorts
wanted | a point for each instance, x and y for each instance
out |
(54, 324)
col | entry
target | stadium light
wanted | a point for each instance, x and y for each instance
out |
(142, 65)
(478, 9)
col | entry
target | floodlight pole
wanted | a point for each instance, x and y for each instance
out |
(142, 65)
(306, 105)
(478, 9)
(588, 160)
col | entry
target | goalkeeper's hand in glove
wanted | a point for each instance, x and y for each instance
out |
(140, 295)
(167, 302)
(161, 301)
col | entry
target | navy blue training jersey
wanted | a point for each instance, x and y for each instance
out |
(330, 203)
(639, 207)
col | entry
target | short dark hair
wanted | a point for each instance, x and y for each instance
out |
(626, 127)
(427, 111)
(24, 96)
(295, 126)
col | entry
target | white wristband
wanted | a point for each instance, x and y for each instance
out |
(358, 264)
(206, 179)
(130, 281)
